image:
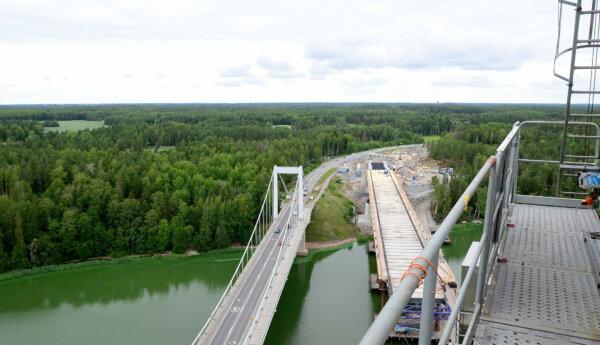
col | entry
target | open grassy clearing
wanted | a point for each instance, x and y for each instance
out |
(325, 176)
(431, 138)
(75, 125)
(331, 218)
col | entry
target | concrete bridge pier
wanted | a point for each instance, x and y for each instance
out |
(302, 251)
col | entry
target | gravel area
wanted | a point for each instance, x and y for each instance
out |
(416, 170)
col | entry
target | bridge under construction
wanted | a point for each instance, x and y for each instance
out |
(244, 312)
(399, 238)
(538, 261)
(537, 266)
(534, 273)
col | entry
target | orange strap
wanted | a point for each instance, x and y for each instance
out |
(422, 268)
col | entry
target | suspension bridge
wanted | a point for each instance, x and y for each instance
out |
(246, 308)
(537, 264)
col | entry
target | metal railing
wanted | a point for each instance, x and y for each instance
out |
(285, 241)
(576, 164)
(501, 170)
(261, 227)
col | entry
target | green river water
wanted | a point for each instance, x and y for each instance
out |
(166, 300)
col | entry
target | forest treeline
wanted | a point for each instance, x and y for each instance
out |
(176, 177)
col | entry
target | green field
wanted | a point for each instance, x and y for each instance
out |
(331, 216)
(431, 138)
(75, 125)
(326, 176)
(283, 126)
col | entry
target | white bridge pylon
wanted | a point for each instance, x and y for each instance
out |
(268, 255)
(288, 171)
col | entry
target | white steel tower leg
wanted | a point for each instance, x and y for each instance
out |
(301, 195)
(302, 245)
(275, 193)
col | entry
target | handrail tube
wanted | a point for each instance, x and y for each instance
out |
(461, 295)
(537, 161)
(567, 2)
(470, 329)
(515, 164)
(510, 136)
(379, 330)
(488, 225)
(508, 181)
(540, 161)
(428, 304)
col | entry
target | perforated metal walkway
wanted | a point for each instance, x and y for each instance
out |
(546, 292)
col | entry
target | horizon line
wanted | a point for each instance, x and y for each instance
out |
(279, 103)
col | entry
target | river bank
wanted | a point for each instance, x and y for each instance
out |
(329, 244)
(110, 261)
(155, 300)
(166, 299)
(146, 300)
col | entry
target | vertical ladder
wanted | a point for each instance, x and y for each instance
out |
(581, 137)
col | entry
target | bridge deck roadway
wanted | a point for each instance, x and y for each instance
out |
(545, 293)
(398, 235)
(232, 324)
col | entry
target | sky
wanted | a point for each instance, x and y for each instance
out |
(205, 51)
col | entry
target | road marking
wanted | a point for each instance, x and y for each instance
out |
(262, 270)
(281, 250)
(310, 179)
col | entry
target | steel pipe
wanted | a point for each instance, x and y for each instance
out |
(461, 295)
(428, 305)
(488, 227)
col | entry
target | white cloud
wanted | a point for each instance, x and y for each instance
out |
(277, 69)
(236, 71)
(474, 81)
(239, 76)
(67, 51)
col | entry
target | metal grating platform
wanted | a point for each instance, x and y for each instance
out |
(499, 334)
(592, 240)
(546, 292)
(537, 296)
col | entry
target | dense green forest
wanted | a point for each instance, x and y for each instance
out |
(175, 177)
(467, 147)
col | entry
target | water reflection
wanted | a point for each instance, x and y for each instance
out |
(461, 241)
(114, 282)
(326, 300)
(291, 303)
